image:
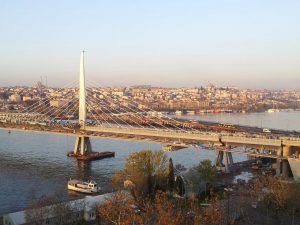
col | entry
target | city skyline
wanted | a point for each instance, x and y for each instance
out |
(97, 85)
(168, 44)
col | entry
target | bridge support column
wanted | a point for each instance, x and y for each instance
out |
(224, 161)
(286, 170)
(294, 164)
(82, 145)
(283, 166)
(279, 162)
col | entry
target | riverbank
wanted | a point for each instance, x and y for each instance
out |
(198, 112)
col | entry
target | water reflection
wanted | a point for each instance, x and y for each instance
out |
(83, 170)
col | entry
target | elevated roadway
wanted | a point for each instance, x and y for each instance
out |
(211, 139)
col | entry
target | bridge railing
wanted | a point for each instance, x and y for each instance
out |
(200, 136)
(154, 132)
(251, 140)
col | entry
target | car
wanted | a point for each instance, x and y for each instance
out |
(266, 130)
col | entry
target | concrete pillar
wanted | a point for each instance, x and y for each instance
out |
(279, 161)
(219, 158)
(224, 160)
(286, 170)
(294, 164)
(82, 93)
(283, 167)
(82, 145)
(287, 151)
(228, 161)
(77, 144)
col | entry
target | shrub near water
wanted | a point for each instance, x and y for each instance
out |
(144, 172)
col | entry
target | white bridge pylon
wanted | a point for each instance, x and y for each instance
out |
(83, 143)
(82, 93)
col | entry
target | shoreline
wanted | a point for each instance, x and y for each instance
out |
(226, 112)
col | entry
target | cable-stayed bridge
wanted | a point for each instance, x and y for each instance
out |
(86, 110)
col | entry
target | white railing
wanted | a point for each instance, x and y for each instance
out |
(201, 136)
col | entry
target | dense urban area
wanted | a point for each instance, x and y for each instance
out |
(150, 189)
(209, 99)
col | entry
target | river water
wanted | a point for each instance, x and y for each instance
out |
(33, 163)
(276, 120)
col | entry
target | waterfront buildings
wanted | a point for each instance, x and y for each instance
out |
(200, 99)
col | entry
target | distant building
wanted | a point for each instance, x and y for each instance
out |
(14, 98)
(118, 93)
(189, 105)
(26, 98)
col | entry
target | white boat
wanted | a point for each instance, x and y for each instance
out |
(88, 187)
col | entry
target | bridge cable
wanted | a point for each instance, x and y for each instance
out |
(62, 109)
(142, 119)
(102, 116)
(107, 104)
(168, 122)
(96, 98)
(97, 114)
(37, 104)
(90, 108)
(49, 109)
(41, 110)
(161, 125)
(112, 116)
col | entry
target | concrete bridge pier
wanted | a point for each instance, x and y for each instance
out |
(286, 169)
(82, 145)
(224, 160)
(279, 161)
(283, 166)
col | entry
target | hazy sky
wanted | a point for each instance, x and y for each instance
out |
(245, 43)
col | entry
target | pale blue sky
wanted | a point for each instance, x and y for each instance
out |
(250, 43)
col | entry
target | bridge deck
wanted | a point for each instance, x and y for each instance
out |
(193, 136)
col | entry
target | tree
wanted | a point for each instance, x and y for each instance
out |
(167, 211)
(171, 175)
(278, 193)
(117, 210)
(163, 210)
(207, 171)
(179, 186)
(201, 176)
(146, 170)
(192, 178)
(118, 179)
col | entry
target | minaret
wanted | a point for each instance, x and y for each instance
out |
(82, 93)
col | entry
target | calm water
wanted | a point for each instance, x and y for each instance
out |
(276, 120)
(36, 163)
